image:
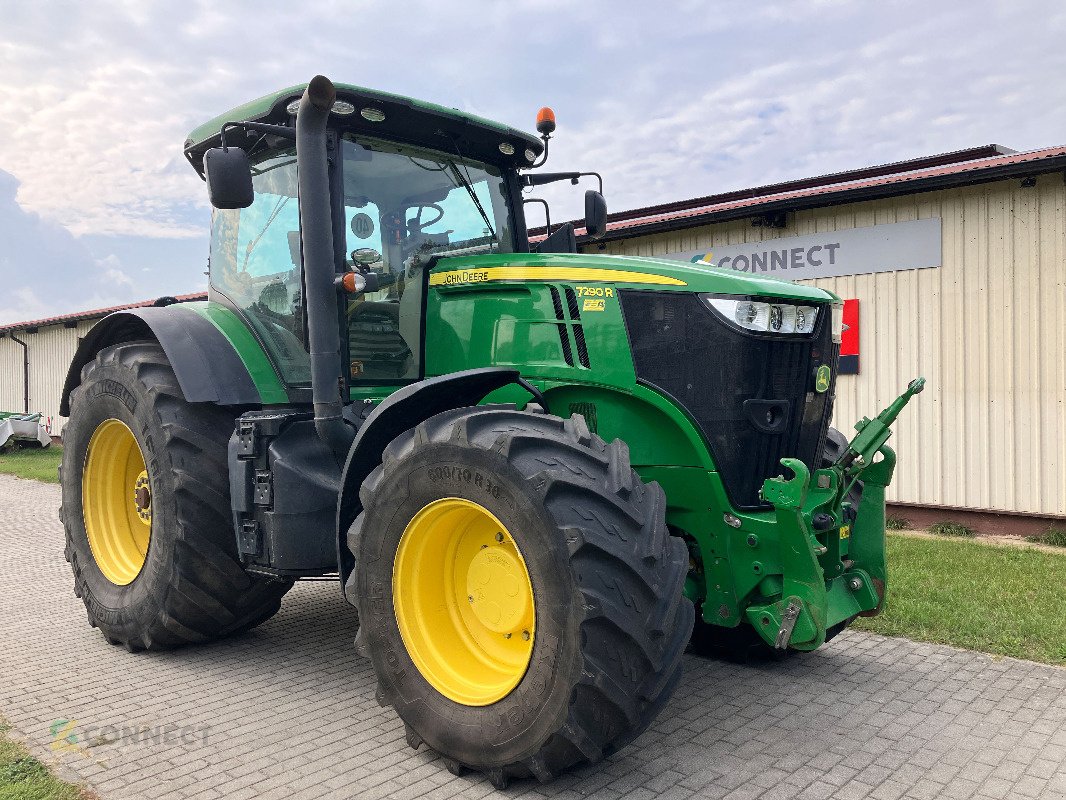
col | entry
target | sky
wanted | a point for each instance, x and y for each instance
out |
(668, 100)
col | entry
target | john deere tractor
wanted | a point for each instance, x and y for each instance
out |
(539, 475)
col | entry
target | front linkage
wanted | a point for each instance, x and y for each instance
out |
(832, 555)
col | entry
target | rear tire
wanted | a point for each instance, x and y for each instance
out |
(190, 586)
(611, 622)
(743, 644)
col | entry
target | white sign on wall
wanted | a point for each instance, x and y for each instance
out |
(915, 244)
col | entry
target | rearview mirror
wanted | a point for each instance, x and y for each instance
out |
(229, 177)
(595, 215)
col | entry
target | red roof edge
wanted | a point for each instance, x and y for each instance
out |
(861, 173)
(78, 316)
(842, 187)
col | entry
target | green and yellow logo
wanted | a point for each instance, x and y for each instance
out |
(821, 378)
(64, 740)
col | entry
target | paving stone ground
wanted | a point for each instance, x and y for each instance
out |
(288, 710)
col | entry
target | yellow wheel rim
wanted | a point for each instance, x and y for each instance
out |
(116, 502)
(464, 602)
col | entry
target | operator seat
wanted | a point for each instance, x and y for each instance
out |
(376, 349)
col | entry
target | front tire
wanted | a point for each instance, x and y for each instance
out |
(146, 508)
(552, 504)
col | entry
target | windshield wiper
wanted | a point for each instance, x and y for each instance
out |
(270, 221)
(473, 196)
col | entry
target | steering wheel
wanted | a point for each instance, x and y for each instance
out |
(416, 225)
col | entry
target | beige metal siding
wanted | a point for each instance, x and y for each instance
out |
(987, 330)
(50, 352)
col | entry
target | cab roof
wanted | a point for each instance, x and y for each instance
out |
(406, 119)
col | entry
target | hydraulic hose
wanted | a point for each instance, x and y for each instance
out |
(316, 230)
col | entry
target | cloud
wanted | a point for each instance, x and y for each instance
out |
(45, 270)
(111, 268)
(22, 303)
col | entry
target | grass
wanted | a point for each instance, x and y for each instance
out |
(23, 777)
(896, 523)
(33, 463)
(1002, 600)
(952, 529)
(1055, 537)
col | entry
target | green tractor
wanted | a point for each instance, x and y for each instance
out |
(539, 475)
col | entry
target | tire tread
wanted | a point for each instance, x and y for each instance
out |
(207, 594)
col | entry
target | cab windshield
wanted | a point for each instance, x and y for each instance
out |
(422, 201)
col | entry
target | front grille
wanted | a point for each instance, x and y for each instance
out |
(712, 369)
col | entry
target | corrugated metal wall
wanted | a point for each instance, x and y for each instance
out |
(50, 352)
(987, 330)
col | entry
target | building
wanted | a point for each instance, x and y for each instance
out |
(958, 264)
(956, 268)
(34, 357)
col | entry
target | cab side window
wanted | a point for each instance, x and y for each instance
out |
(255, 263)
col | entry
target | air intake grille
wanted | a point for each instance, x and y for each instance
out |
(711, 368)
(564, 340)
(579, 331)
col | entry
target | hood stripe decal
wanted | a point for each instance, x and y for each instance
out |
(474, 275)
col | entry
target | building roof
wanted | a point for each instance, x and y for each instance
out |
(70, 320)
(929, 173)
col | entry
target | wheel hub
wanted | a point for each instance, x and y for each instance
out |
(464, 601)
(142, 497)
(498, 590)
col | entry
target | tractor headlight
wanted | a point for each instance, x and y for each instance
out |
(765, 316)
(838, 322)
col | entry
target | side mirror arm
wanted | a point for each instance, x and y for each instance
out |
(542, 178)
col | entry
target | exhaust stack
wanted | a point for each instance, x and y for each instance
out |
(316, 231)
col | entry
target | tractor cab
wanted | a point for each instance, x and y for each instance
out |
(409, 183)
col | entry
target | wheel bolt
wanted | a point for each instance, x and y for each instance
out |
(499, 537)
(470, 597)
(507, 636)
(525, 635)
